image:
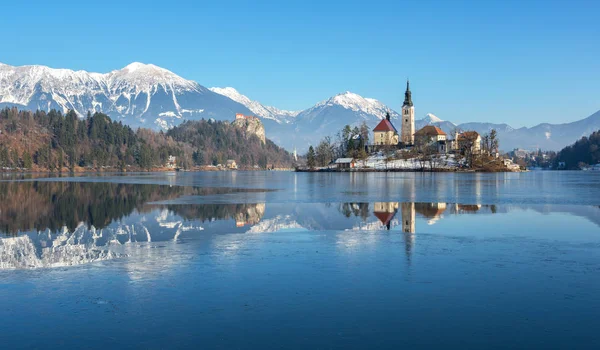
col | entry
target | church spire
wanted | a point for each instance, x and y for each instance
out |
(408, 95)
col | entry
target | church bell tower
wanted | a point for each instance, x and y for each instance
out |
(408, 118)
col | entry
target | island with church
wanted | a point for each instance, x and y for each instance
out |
(358, 149)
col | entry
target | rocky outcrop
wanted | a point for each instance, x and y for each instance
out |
(251, 126)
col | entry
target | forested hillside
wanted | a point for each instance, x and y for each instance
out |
(53, 141)
(582, 153)
(215, 142)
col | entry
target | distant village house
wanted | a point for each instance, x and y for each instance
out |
(172, 162)
(231, 164)
(431, 136)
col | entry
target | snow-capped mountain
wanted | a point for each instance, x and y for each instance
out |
(367, 109)
(139, 94)
(431, 118)
(257, 108)
(329, 116)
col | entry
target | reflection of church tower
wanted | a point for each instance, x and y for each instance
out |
(385, 212)
(408, 228)
(408, 118)
(408, 217)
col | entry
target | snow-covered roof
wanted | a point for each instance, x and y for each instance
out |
(344, 160)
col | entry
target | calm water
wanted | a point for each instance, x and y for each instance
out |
(301, 261)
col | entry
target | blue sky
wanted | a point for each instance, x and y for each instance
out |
(519, 62)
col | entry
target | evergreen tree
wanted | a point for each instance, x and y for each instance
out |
(27, 160)
(4, 160)
(14, 157)
(310, 157)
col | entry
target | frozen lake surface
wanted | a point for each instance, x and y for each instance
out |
(237, 260)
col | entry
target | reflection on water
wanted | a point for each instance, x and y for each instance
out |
(323, 260)
(49, 224)
(51, 206)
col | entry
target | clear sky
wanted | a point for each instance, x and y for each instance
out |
(519, 62)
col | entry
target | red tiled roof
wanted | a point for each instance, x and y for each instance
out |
(385, 125)
(430, 130)
(469, 135)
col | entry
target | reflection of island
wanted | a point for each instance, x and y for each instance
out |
(386, 211)
(67, 223)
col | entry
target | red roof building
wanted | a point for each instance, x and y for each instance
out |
(385, 218)
(430, 130)
(385, 125)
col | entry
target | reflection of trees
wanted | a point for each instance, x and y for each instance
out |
(357, 209)
(241, 213)
(26, 206)
(39, 206)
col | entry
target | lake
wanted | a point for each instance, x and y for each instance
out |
(238, 260)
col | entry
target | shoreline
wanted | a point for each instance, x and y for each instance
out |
(425, 170)
(115, 171)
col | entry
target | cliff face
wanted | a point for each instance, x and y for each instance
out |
(252, 126)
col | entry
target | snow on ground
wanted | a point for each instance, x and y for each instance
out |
(379, 162)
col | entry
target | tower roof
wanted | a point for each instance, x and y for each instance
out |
(407, 96)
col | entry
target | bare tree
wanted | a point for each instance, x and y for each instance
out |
(486, 143)
(494, 143)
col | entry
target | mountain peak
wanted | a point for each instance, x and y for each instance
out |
(432, 118)
(355, 102)
(136, 65)
(144, 68)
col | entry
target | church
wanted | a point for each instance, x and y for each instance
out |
(386, 134)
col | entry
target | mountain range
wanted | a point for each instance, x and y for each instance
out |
(145, 95)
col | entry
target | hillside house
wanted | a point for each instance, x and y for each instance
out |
(431, 136)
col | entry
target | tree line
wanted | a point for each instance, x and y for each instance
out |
(584, 152)
(349, 143)
(54, 141)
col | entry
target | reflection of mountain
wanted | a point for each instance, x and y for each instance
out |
(45, 249)
(28, 252)
(278, 223)
(68, 223)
